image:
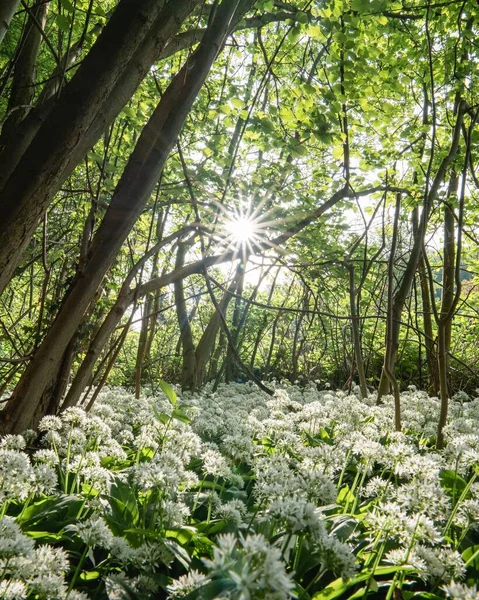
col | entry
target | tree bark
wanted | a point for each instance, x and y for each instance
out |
(188, 377)
(24, 74)
(206, 344)
(390, 322)
(7, 10)
(358, 353)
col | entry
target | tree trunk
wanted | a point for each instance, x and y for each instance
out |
(79, 118)
(206, 344)
(7, 10)
(141, 174)
(188, 377)
(358, 353)
(24, 74)
(451, 287)
(390, 322)
(231, 368)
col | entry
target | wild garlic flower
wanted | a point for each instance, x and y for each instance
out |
(47, 456)
(337, 557)
(45, 479)
(233, 511)
(121, 551)
(76, 595)
(164, 473)
(215, 464)
(460, 591)
(387, 520)
(16, 475)
(93, 532)
(74, 416)
(44, 571)
(12, 541)
(50, 423)
(152, 554)
(185, 584)
(173, 514)
(467, 515)
(252, 568)
(296, 516)
(442, 563)
(13, 442)
(13, 589)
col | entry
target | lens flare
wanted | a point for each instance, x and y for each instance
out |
(241, 230)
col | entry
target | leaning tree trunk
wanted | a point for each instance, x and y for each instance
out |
(24, 73)
(206, 345)
(7, 10)
(50, 150)
(451, 290)
(31, 396)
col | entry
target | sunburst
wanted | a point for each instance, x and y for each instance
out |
(247, 229)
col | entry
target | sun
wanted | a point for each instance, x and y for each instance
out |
(245, 228)
(240, 230)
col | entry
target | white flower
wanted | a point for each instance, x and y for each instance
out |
(46, 480)
(76, 595)
(234, 511)
(297, 516)
(50, 423)
(460, 591)
(13, 589)
(47, 456)
(186, 584)
(173, 514)
(215, 464)
(252, 566)
(121, 550)
(93, 532)
(13, 442)
(16, 474)
(44, 571)
(74, 416)
(12, 540)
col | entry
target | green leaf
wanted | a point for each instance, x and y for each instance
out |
(63, 23)
(169, 392)
(299, 150)
(339, 586)
(471, 557)
(179, 415)
(301, 17)
(267, 125)
(452, 483)
(237, 102)
(45, 536)
(67, 5)
(345, 495)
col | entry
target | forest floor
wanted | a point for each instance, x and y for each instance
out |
(236, 494)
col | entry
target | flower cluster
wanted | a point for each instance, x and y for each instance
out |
(249, 495)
